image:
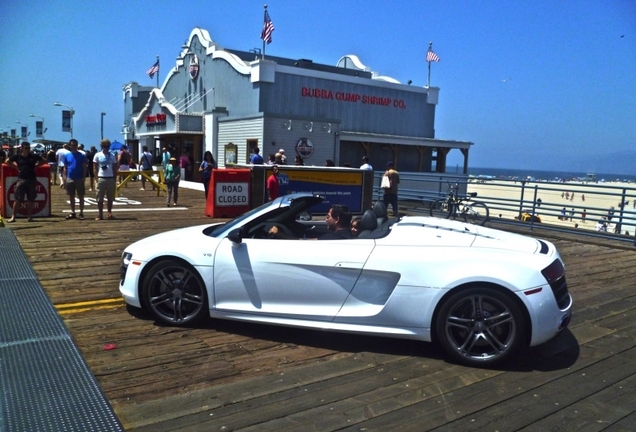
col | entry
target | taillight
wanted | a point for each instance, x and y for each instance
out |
(554, 271)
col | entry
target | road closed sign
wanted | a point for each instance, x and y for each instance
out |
(232, 194)
(229, 194)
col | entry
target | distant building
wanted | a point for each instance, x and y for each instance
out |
(228, 102)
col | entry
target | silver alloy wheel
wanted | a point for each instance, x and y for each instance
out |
(174, 293)
(480, 326)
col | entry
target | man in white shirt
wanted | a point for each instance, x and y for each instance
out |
(60, 155)
(365, 164)
(105, 170)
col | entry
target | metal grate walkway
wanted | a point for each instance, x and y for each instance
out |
(45, 383)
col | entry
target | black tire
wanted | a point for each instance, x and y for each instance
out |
(439, 208)
(480, 327)
(173, 292)
(475, 213)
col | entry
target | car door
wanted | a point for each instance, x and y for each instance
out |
(307, 279)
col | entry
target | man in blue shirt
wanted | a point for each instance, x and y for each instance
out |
(75, 165)
(256, 159)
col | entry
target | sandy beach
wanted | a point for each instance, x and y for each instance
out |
(596, 201)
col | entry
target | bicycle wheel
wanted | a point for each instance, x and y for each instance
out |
(475, 213)
(440, 208)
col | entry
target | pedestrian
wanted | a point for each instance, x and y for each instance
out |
(365, 164)
(256, 159)
(563, 214)
(283, 158)
(25, 187)
(539, 201)
(105, 170)
(329, 163)
(145, 164)
(59, 154)
(572, 197)
(278, 159)
(271, 159)
(173, 174)
(390, 187)
(91, 174)
(273, 187)
(205, 169)
(299, 161)
(165, 159)
(583, 215)
(124, 159)
(571, 215)
(51, 159)
(184, 165)
(583, 197)
(75, 166)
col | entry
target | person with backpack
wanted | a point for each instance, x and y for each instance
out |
(145, 164)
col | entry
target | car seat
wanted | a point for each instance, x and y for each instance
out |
(368, 223)
(380, 212)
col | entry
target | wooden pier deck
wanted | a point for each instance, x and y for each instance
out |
(224, 376)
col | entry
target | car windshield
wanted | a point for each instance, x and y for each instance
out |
(287, 205)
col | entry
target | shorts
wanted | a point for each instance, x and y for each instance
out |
(53, 167)
(75, 187)
(106, 187)
(25, 189)
(60, 169)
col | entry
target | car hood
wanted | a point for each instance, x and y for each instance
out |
(182, 241)
(426, 231)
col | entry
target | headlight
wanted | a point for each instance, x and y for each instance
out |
(126, 258)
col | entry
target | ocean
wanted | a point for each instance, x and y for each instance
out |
(506, 173)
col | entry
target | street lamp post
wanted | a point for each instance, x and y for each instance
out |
(72, 113)
(41, 118)
(27, 128)
(103, 114)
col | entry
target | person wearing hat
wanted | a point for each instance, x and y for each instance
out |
(283, 158)
(365, 164)
(172, 177)
(391, 192)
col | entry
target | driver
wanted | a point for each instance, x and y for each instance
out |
(338, 221)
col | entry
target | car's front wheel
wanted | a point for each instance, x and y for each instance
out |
(174, 293)
(480, 326)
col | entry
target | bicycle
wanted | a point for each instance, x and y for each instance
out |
(453, 206)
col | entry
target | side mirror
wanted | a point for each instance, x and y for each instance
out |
(235, 236)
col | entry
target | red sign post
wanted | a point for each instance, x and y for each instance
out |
(8, 180)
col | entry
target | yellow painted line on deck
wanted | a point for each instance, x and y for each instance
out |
(84, 306)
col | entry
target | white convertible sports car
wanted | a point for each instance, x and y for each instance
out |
(479, 292)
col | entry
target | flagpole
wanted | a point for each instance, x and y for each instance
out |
(264, 18)
(158, 69)
(428, 81)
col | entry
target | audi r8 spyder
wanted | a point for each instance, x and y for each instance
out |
(479, 292)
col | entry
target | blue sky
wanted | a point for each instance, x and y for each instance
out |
(534, 84)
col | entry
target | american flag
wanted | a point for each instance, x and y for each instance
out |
(431, 57)
(268, 29)
(153, 70)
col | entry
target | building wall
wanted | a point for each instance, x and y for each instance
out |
(238, 132)
(412, 117)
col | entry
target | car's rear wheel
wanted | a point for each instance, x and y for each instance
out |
(174, 293)
(480, 326)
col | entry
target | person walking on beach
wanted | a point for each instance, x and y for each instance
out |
(105, 170)
(25, 187)
(571, 215)
(583, 215)
(75, 165)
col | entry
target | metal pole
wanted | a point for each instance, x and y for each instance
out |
(103, 114)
